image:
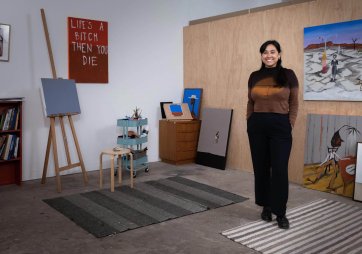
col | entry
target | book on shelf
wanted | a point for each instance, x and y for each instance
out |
(10, 119)
(3, 147)
(11, 149)
(11, 113)
(13, 118)
(17, 120)
(16, 147)
(6, 150)
(2, 120)
(2, 144)
(10, 146)
(7, 120)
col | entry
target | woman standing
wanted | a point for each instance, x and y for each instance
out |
(271, 113)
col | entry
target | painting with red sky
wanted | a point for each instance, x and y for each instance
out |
(333, 62)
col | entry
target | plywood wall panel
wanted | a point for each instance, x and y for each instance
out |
(220, 55)
(324, 12)
(196, 50)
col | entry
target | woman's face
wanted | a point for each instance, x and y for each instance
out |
(270, 56)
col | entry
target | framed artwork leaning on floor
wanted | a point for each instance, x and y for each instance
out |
(357, 193)
(330, 153)
(214, 137)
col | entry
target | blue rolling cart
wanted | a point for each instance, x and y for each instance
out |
(135, 142)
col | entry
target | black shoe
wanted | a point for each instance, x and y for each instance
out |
(283, 222)
(266, 214)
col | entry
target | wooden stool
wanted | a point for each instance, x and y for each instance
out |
(118, 154)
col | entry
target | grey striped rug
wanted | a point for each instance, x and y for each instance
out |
(322, 227)
(104, 213)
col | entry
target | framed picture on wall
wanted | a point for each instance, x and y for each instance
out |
(88, 50)
(192, 96)
(4, 42)
(357, 193)
(330, 54)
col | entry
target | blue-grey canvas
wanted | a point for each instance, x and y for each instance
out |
(60, 97)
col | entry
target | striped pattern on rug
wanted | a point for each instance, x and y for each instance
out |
(322, 227)
(104, 213)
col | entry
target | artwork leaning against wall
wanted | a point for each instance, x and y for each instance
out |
(330, 155)
(357, 194)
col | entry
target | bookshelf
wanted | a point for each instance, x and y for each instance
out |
(10, 141)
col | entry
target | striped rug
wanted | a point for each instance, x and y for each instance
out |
(322, 227)
(104, 213)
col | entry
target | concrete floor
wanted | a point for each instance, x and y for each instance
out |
(28, 225)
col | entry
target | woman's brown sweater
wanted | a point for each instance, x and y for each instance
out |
(264, 95)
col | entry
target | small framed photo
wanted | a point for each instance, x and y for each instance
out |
(177, 111)
(192, 96)
(4, 42)
(163, 115)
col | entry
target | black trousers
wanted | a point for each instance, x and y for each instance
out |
(270, 142)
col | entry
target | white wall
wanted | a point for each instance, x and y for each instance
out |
(145, 67)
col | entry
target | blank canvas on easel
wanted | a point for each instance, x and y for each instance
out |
(60, 97)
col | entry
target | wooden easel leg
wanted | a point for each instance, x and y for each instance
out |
(85, 176)
(55, 153)
(100, 171)
(45, 167)
(112, 173)
(65, 141)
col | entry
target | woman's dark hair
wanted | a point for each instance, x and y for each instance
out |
(281, 78)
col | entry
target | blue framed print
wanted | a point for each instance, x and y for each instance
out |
(193, 96)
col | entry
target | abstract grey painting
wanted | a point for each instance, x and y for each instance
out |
(214, 137)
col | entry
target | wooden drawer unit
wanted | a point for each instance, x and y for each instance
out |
(178, 140)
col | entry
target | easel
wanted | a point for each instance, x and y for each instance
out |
(52, 135)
